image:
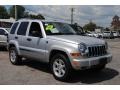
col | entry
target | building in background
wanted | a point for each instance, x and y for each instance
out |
(98, 30)
(6, 23)
(115, 24)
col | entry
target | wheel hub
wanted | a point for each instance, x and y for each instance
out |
(59, 68)
(12, 55)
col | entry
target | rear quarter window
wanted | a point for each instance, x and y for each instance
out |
(13, 29)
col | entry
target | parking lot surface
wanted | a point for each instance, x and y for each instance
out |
(33, 72)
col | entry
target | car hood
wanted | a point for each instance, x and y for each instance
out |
(77, 39)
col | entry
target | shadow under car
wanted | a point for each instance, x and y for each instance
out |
(82, 76)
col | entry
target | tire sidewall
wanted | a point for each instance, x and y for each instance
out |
(67, 66)
(17, 61)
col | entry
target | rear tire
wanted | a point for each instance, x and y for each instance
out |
(14, 57)
(60, 67)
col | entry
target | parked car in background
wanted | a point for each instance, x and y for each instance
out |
(105, 34)
(90, 34)
(100, 35)
(3, 37)
(97, 35)
(108, 34)
(115, 34)
(94, 34)
(57, 44)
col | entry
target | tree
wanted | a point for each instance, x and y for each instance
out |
(38, 16)
(107, 29)
(20, 11)
(3, 13)
(26, 15)
(90, 26)
(22, 14)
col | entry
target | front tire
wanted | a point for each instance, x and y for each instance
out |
(61, 67)
(14, 57)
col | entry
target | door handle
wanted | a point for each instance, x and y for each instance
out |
(16, 37)
(29, 39)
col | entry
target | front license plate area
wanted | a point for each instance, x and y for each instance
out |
(103, 61)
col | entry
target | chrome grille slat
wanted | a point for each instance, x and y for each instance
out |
(100, 51)
(96, 51)
(103, 49)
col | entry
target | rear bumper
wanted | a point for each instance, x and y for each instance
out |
(79, 64)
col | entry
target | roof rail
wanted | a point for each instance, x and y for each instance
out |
(29, 19)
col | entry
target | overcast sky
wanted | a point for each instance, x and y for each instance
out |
(101, 15)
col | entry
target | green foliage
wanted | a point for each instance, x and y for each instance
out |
(22, 14)
(107, 29)
(3, 13)
(31, 16)
(90, 26)
(20, 11)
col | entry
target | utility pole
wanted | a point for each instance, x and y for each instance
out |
(72, 10)
(15, 12)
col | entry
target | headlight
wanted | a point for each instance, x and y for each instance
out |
(82, 47)
(106, 45)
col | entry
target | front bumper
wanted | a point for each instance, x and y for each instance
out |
(87, 63)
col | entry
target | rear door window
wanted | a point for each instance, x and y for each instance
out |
(22, 28)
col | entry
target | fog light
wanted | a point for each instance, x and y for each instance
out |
(75, 55)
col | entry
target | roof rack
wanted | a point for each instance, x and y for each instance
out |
(41, 20)
(28, 19)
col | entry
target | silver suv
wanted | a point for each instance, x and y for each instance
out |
(59, 45)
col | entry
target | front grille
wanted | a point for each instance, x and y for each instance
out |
(94, 51)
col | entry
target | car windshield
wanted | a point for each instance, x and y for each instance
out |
(78, 29)
(58, 28)
(106, 32)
